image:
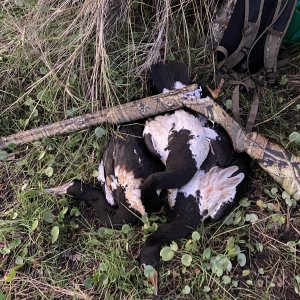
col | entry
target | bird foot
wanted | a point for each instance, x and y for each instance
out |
(153, 280)
(215, 93)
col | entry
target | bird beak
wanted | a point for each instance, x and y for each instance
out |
(61, 189)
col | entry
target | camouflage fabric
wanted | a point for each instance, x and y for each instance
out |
(220, 21)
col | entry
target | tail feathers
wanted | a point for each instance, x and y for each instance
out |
(169, 76)
(218, 188)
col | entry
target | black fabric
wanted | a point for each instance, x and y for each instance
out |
(233, 33)
(256, 58)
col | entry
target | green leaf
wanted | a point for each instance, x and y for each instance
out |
(75, 212)
(42, 154)
(206, 253)
(274, 191)
(74, 225)
(5, 251)
(174, 246)
(126, 229)
(19, 260)
(295, 137)
(186, 290)
(244, 202)
(54, 234)
(241, 258)
(228, 104)
(206, 289)
(3, 155)
(95, 173)
(34, 225)
(226, 279)
(186, 260)
(48, 171)
(230, 243)
(12, 273)
(100, 132)
(88, 282)
(48, 217)
(195, 236)
(251, 218)
(15, 243)
(261, 271)
(245, 273)
(166, 253)
(148, 271)
(101, 278)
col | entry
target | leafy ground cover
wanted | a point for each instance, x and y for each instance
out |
(65, 58)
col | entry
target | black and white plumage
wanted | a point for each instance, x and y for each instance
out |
(184, 153)
(126, 163)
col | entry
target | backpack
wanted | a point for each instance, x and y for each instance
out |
(248, 35)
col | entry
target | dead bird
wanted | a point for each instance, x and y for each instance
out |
(195, 163)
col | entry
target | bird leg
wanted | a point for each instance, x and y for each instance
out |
(215, 93)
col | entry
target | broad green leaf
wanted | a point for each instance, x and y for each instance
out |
(228, 104)
(88, 283)
(2, 296)
(186, 260)
(74, 225)
(230, 243)
(103, 279)
(100, 132)
(95, 173)
(3, 155)
(174, 246)
(274, 190)
(295, 137)
(49, 171)
(48, 217)
(54, 234)
(186, 290)
(245, 273)
(75, 212)
(226, 279)
(19, 260)
(5, 251)
(241, 258)
(244, 202)
(206, 253)
(166, 253)
(206, 289)
(251, 218)
(195, 236)
(126, 229)
(15, 243)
